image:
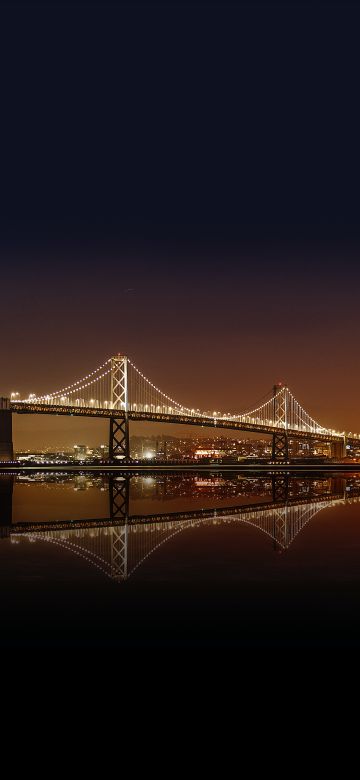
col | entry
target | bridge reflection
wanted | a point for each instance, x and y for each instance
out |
(119, 544)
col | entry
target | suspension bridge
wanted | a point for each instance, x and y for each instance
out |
(119, 391)
(118, 545)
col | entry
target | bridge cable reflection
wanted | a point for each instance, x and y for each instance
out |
(117, 546)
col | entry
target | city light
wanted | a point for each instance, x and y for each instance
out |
(118, 385)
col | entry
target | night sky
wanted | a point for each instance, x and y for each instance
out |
(180, 182)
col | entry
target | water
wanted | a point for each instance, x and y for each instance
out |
(180, 559)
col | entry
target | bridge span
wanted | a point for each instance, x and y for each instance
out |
(118, 391)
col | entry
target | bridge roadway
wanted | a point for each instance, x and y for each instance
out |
(178, 419)
(242, 509)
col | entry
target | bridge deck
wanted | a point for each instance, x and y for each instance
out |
(177, 419)
(242, 509)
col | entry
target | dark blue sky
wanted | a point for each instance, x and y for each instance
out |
(170, 120)
(181, 182)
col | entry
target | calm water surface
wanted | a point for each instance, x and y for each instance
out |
(180, 559)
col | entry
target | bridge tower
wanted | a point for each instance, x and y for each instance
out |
(119, 444)
(119, 511)
(282, 512)
(6, 442)
(280, 448)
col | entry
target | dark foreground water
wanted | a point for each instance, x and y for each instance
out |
(180, 560)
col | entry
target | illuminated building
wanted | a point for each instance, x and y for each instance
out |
(211, 453)
(80, 451)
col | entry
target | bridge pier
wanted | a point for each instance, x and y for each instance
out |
(338, 449)
(119, 498)
(338, 486)
(119, 442)
(6, 440)
(280, 487)
(280, 447)
(6, 495)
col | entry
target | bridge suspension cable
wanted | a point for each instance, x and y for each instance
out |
(119, 384)
(282, 410)
(119, 551)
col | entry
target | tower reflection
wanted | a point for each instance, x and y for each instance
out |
(279, 505)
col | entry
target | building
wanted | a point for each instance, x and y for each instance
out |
(80, 452)
(201, 452)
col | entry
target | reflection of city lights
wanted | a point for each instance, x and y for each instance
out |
(149, 480)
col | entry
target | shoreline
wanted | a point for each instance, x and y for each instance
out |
(136, 468)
